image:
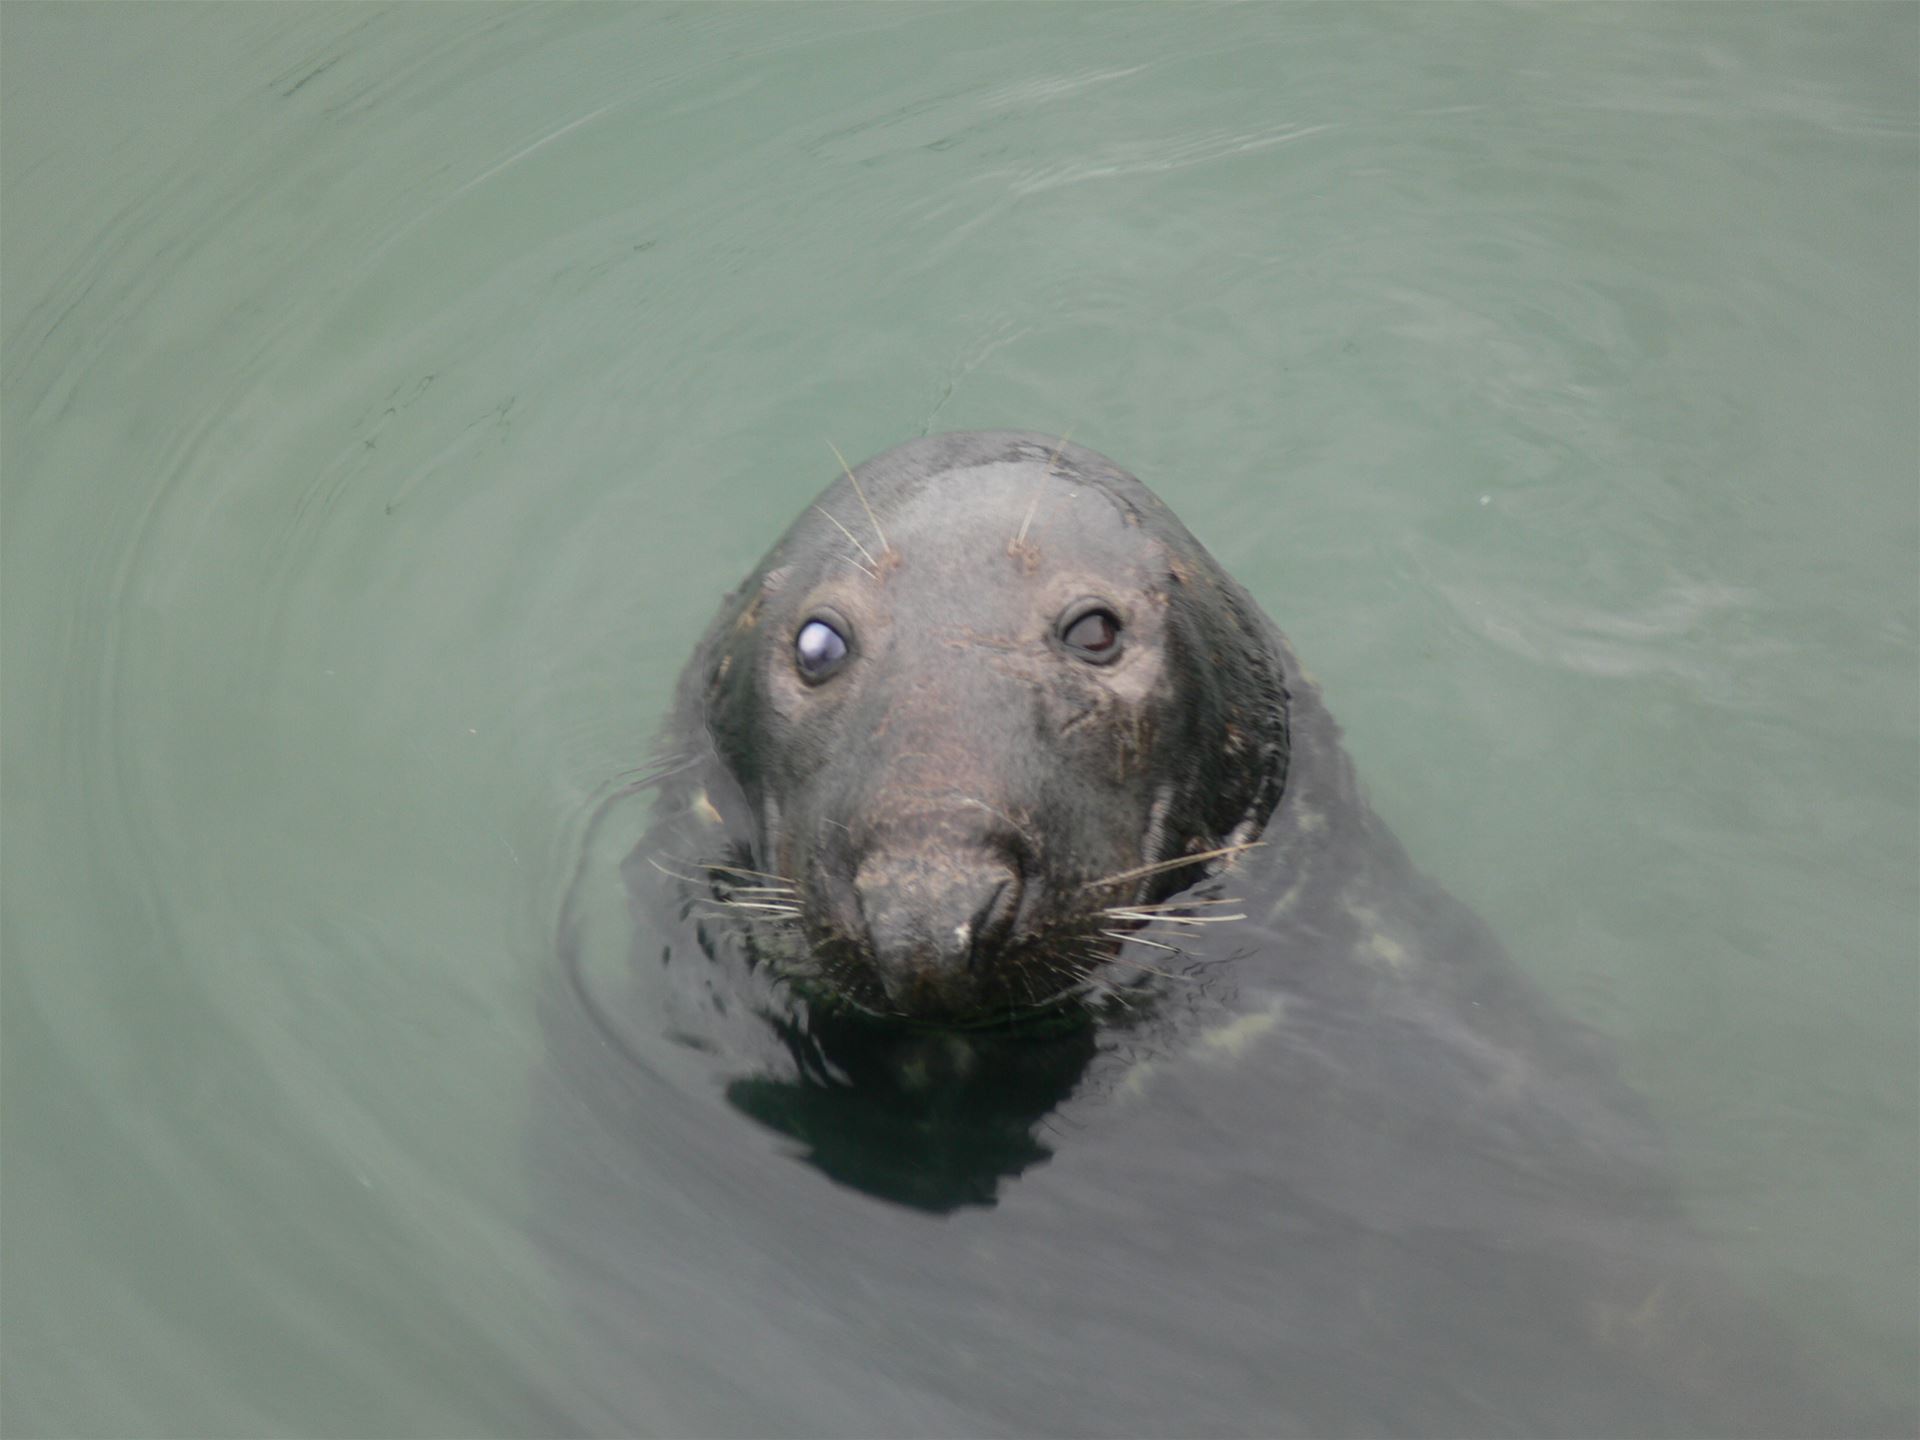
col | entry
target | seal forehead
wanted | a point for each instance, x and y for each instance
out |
(991, 555)
(1006, 507)
(980, 551)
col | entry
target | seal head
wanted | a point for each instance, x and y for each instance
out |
(985, 698)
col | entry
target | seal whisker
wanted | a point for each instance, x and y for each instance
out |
(1165, 919)
(872, 574)
(660, 767)
(1141, 940)
(1178, 862)
(1020, 537)
(767, 905)
(852, 480)
(771, 893)
(1100, 986)
(1162, 906)
(1054, 459)
(742, 870)
(674, 874)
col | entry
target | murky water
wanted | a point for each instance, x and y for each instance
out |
(391, 395)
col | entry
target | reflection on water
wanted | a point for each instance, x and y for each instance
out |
(389, 395)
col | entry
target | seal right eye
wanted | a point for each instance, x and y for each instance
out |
(818, 650)
(1092, 632)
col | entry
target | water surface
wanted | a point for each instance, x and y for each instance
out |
(390, 395)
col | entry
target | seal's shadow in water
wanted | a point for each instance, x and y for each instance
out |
(931, 1120)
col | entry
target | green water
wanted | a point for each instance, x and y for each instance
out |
(390, 395)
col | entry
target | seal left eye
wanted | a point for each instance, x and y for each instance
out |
(818, 650)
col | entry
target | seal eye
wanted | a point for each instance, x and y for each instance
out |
(819, 650)
(1092, 633)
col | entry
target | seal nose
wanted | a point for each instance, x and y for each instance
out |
(932, 920)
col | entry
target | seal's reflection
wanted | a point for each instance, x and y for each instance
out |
(935, 1120)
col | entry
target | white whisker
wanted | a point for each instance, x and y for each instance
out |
(739, 870)
(1137, 940)
(1174, 864)
(1171, 919)
(872, 574)
(1166, 905)
(874, 519)
(674, 874)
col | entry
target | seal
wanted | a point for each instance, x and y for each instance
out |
(978, 714)
(1005, 828)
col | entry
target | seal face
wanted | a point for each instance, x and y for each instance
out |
(981, 704)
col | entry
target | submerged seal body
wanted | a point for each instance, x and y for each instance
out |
(989, 794)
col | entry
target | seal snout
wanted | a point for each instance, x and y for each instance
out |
(934, 919)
